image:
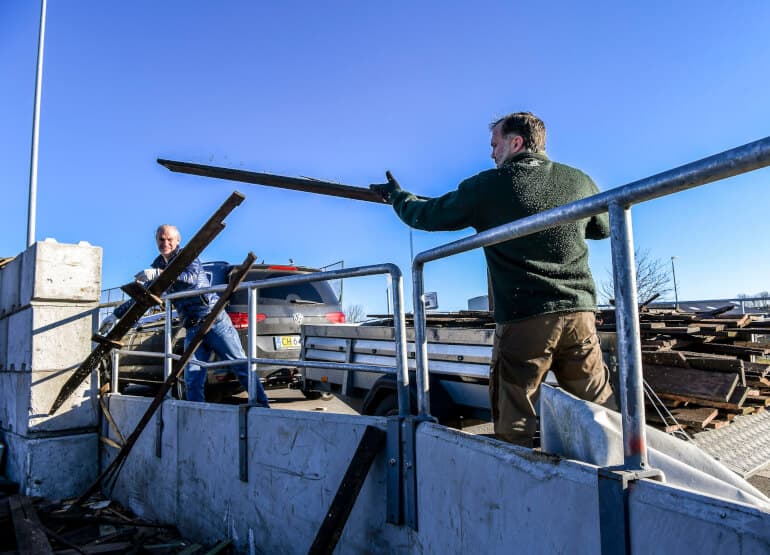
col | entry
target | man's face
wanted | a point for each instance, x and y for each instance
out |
(168, 241)
(504, 147)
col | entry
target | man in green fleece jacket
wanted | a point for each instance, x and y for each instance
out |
(543, 292)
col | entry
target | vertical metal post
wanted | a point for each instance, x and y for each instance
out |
(399, 330)
(32, 207)
(420, 341)
(169, 348)
(676, 293)
(629, 346)
(115, 371)
(252, 345)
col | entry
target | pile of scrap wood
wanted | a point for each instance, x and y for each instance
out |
(30, 525)
(707, 367)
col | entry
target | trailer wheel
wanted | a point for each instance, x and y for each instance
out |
(388, 406)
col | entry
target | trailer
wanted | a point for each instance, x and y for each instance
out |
(459, 353)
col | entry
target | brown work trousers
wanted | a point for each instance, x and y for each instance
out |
(523, 353)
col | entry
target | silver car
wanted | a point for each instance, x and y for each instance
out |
(281, 310)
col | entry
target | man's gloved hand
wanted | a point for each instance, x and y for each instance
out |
(385, 190)
(147, 275)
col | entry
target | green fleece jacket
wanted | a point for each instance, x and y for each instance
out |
(542, 273)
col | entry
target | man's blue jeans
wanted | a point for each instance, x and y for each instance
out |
(222, 339)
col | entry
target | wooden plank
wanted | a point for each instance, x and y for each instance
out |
(697, 417)
(673, 330)
(664, 358)
(236, 278)
(328, 535)
(756, 369)
(213, 226)
(30, 536)
(737, 406)
(651, 325)
(725, 349)
(688, 382)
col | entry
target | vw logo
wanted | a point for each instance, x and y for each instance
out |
(297, 317)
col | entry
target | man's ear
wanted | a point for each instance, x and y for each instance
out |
(517, 143)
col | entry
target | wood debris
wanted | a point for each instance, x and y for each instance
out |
(34, 525)
(706, 368)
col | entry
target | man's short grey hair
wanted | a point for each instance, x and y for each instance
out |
(525, 124)
(169, 227)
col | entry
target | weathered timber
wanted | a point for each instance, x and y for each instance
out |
(665, 358)
(724, 349)
(736, 407)
(715, 312)
(236, 278)
(371, 444)
(696, 417)
(30, 534)
(182, 260)
(271, 180)
(688, 382)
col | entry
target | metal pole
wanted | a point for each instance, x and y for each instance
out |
(114, 377)
(399, 329)
(676, 293)
(420, 341)
(32, 207)
(169, 348)
(252, 345)
(629, 346)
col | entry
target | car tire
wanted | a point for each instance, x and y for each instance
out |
(314, 395)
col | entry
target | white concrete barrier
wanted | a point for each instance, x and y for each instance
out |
(48, 299)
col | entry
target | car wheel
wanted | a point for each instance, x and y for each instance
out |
(313, 395)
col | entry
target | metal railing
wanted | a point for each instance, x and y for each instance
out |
(618, 203)
(252, 360)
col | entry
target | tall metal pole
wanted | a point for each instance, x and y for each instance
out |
(32, 208)
(629, 342)
(676, 293)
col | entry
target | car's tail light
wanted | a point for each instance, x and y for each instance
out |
(241, 319)
(336, 317)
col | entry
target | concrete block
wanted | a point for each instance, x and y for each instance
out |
(56, 467)
(61, 272)
(26, 397)
(49, 336)
(10, 276)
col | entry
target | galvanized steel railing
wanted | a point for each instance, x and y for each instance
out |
(618, 203)
(399, 326)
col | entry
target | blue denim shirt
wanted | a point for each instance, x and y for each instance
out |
(190, 309)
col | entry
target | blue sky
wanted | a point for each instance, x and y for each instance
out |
(344, 90)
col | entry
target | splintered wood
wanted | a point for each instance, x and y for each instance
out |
(706, 368)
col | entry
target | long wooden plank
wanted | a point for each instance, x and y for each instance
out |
(332, 526)
(271, 180)
(237, 277)
(717, 386)
(734, 404)
(184, 258)
(30, 536)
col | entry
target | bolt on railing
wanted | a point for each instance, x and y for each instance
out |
(618, 202)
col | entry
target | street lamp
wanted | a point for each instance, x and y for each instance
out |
(676, 293)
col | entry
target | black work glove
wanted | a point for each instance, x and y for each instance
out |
(385, 190)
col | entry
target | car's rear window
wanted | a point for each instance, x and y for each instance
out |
(315, 292)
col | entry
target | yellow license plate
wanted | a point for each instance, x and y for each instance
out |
(286, 342)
